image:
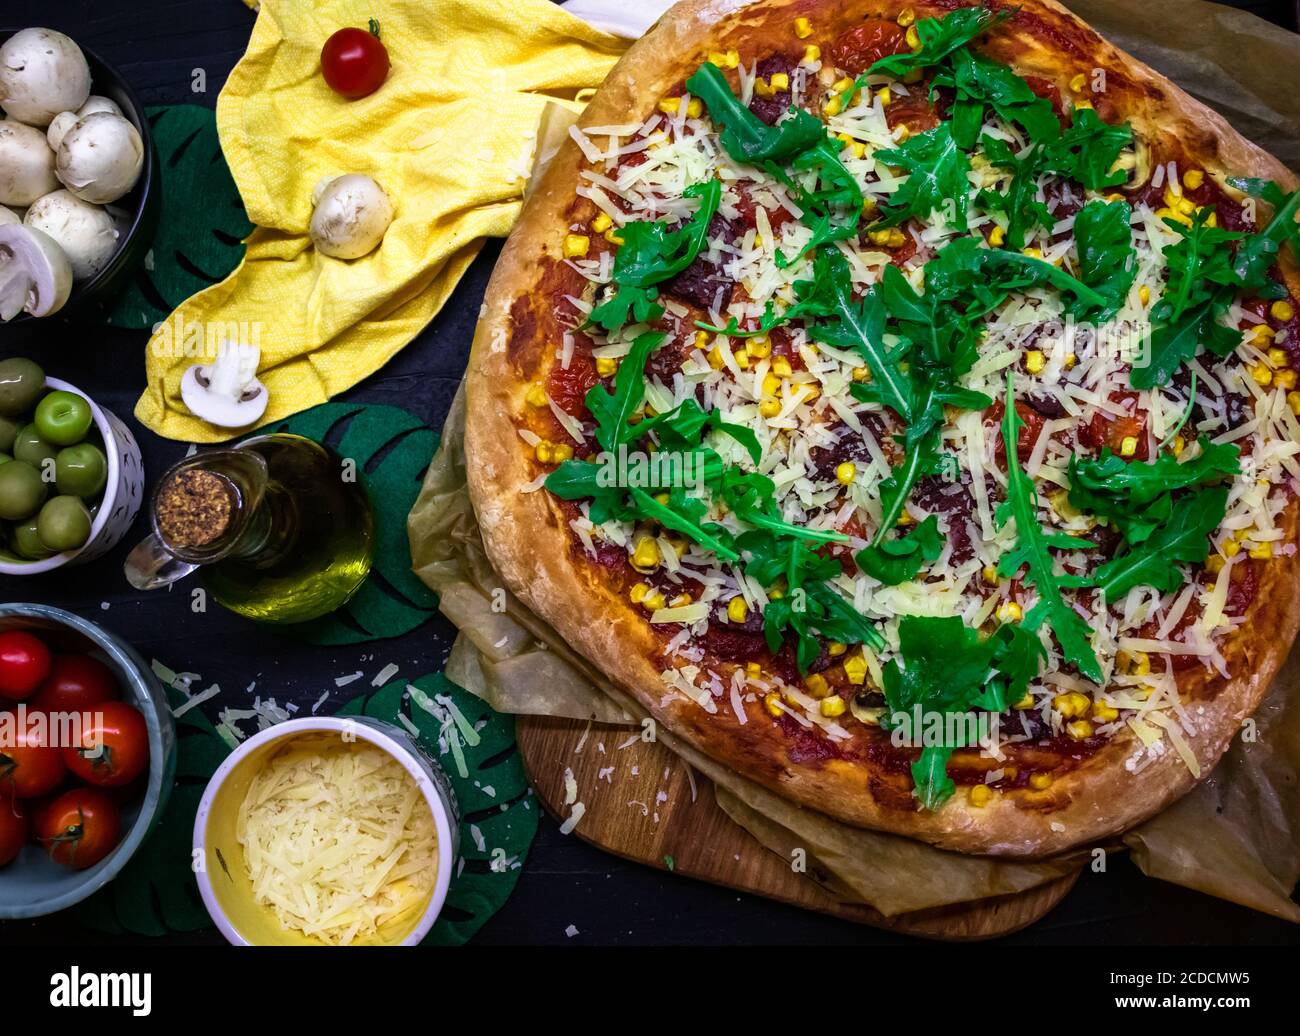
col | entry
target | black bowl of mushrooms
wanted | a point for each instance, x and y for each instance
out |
(79, 196)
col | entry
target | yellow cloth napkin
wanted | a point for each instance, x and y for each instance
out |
(448, 136)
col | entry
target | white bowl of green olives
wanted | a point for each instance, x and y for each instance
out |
(71, 480)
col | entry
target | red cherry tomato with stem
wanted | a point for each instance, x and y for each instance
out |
(29, 764)
(24, 664)
(79, 828)
(114, 746)
(354, 62)
(75, 683)
(13, 829)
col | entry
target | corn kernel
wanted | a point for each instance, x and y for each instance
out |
(809, 392)
(602, 222)
(833, 107)
(737, 609)
(536, 396)
(1027, 702)
(812, 54)
(906, 518)
(833, 706)
(1214, 564)
(606, 366)
(715, 358)
(1231, 548)
(1277, 357)
(816, 685)
(780, 82)
(1212, 220)
(906, 17)
(997, 237)
(772, 702)
(1040, 781)
(845, 473)
(1261, 374)
(612, 237)
(542, 451)
(855, 668)
(638, 593)
(1072, 704)
(1285, 379)
(1281, 310)
(1144, 294)
(802, 28)
(753, 669)
(1293, 401)
(1010, 612)
(1262, 552)
(1070, 361)
(1078, 83)
(1128, 446)
(1079, 729)
(862, 373)
(1033, 253)
(769, 407)
(1193, 179)
(576, 245)
(694, 108)
(1175, 215)
(741, 356)
(1176, 447)
(912, 37)
(763, 88)
(1035, 361)
(885, 96)
(760, 347)
(771, 384)
(990, 575)
(1104, 713)
(561, 452)
(645, 556)
(670, 105)
(781, 366)
(653, 601)
(681, 601)
(979, 796)
(1083, 102)
(835, 648)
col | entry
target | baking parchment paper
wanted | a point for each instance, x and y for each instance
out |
(1235, 836)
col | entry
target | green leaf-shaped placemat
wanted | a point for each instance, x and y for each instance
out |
(498, 813)
(391, 449)
(202, 224)
(156, 892)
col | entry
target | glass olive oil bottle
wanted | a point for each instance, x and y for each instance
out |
(280, 528)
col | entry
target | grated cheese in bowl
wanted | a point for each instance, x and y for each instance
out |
(338, 839)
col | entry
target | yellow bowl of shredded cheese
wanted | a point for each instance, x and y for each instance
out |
(326, 832)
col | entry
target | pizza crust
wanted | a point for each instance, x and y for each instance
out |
(527, 540)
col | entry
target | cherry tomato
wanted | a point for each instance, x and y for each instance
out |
(354, 62)
(114, 746)
(75, 683)
(79, 828)
(30, 766)
(13, 829)
(24, 664)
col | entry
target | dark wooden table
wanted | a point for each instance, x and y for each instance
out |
(157, 45)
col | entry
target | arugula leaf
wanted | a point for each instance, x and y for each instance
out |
(1107, 258)
(1173, 344)
(684, 521)
(965, 271)
(1182, 538)
(652, 253)
(1258, 252)
(833, 209)
(745, 136)
(1020, 202)
(683, 428)
(613, 410)
(940, 38)
(936, 178)
(979, 82)
(899, 560)
(1032, 550)
(1138, 496)
(1087, 150)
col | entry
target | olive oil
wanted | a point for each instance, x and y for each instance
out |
(280, 528)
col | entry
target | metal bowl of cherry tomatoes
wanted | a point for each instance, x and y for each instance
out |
(87, 757)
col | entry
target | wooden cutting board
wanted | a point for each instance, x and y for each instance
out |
(640, 806)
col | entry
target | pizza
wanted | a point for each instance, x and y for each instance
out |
(899, 401)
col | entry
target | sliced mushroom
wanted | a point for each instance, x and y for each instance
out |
(35, 274)
(1136, 163)
(865, 713)
(227, 393)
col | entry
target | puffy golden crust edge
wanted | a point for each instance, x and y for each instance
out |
(527, 542)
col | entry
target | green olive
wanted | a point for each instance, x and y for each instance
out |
(8, 432)
(21, 385)
(63, 418)
(5, 458)
(27, 541)
(21, 491)
(30, 447)
(64, 523)
(81, 470)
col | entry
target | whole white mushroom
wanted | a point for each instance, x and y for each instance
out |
(42, 73)
(84, 231)
(351, 216)
(26, 164)
(96, 103)
(99, 158)
(59, 127)
(8, 216)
